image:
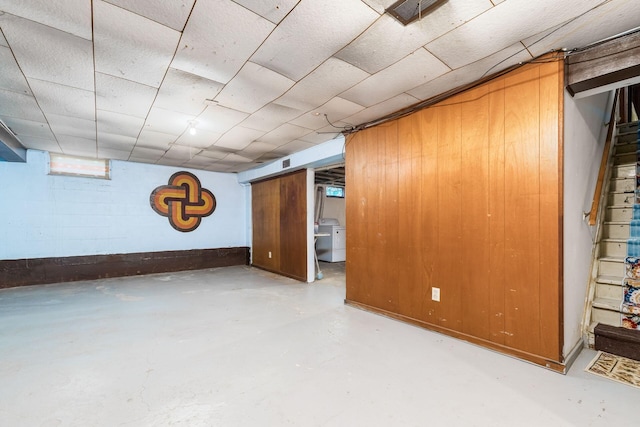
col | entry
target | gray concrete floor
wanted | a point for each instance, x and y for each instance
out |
(242, 347)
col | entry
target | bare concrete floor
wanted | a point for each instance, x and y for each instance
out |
(242, 347)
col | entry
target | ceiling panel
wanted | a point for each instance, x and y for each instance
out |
(252, 88)
(11, 77)
(186, 92)
(336, 109)
(172, 13)
(123, 96)
(149, 154)
(257, 149)
(118, 124)
(3, 41)
(219, 119)
(388, 41)
(169, 122)
(202, 139)
(72, 126)
(130, 46)
(198, 162)
(44, 144)
(309, 35)
(214, 153)
(379, 5)
(472, 72)
(331, 78)
(238, 138)
(277, 115)
(283, 134)
(14, 104)
(64, 100)
(415, 69)
(24, 128)
(152, 139)
(610, 18)
(380, 110)
(108, 153)
(115, 142)
(324, 134)
(179, 152)
(70, 16)
(502, 26)
(219, 38)
(293, 147)
(48, 54)
(75, 146)
(273, 10)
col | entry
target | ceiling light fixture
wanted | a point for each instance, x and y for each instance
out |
(192, 127)
(407, 11)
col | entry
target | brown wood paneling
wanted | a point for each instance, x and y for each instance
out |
(448, 260)
(522, 200)
(496, 250)
(279, 215)
(38, 271)
(472, 189)
(474, 179)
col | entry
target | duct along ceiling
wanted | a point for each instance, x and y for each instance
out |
(255, 80)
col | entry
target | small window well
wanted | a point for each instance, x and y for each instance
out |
(78, 166)
(407, 11)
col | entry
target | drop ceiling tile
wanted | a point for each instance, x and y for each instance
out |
(150, 154)
(380, 110)
(72, 126)
(379, 5)
(134, 159)
(3, 41)
(232, 158)
(169, 122)
(14, 104)
(156, 140)
(24, 128)
(276, 115)
(186, 92)
(264, 120)
(115, 142)
(610, 18)
(44, 144)
(472, 72)
(48, 54)
(238, 138)
(198, 162)
(123, 96)
(257, 149)
(293, 147)
(75, 146)
(202, 139)
(219, 38)
(168, 161)
(502, 26)
(173, 13)
(324, 134)
(415, 69)
(108, 153)
(118, 124)
(336, 109)
(387, 40)
(130, 46)
(304, 40)
(64, 100)
(252, 88)
(219, 119)
(284, 134)
(70, 16)
(273, 10)
(215, 153)
(11, 77)
(179, 152)
(331, 78)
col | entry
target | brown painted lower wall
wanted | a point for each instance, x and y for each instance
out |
(38, 271)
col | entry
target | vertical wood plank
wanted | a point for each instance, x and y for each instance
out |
(429, 211)
(410, 292)
(522, 219)
(550, 209)
(474, 177)
(265, 207)
(293, 225)
(448, 260)
(496, 211)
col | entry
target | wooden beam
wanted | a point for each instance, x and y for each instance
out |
(610, 62)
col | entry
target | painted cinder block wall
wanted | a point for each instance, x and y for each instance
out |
(44, 215)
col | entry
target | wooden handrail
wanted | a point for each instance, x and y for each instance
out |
(597, 194)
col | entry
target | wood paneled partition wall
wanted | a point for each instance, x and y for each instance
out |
(279, 215)
(465, 196)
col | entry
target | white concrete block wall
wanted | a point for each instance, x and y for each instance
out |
(45, 215)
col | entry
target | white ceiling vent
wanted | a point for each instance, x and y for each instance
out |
(407, 11)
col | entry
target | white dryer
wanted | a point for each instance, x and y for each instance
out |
(331, 248)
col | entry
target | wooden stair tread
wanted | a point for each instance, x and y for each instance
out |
(612, 259)
(617, 222)
(610, 280)
(607, 304)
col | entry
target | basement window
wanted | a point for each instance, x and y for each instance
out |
(334, 192)
(79, 166)
(407, 11)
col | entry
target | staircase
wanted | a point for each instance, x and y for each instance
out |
(608, 293)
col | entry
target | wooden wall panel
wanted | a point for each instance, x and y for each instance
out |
(279, 215)
(466, 196)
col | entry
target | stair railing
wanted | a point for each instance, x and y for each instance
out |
(606, 153)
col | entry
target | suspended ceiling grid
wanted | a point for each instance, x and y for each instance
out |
(124, 79)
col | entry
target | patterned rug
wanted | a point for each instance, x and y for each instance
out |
(616, 368)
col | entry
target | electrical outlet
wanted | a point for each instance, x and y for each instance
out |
(435, 294)
(269, 254)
